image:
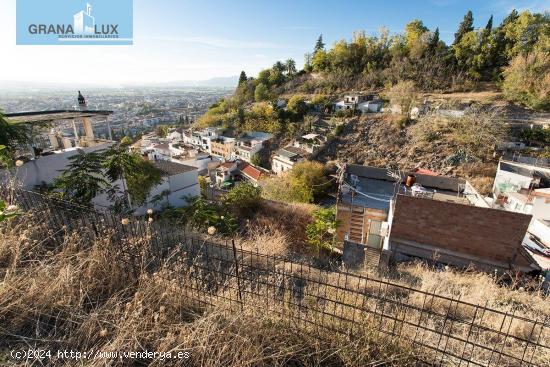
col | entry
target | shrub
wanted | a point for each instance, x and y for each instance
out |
(320, 233)
(243, 198)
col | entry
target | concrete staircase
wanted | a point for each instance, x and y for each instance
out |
(372, 257)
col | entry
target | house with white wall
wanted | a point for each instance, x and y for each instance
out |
(44, 169)
(250, 143)
(285, 158)
(520, 178)
(179, 181)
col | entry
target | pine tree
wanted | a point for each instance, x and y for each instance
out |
(466, 26)
(319, 45)
(242, 78)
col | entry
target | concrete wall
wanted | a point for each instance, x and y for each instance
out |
(479, 235)
(180, 186)
(46, 169)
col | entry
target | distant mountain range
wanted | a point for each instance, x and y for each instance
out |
(220, 82)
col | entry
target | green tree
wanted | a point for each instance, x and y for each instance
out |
(527, 80)
(243, 198)
(161, 131)
(83, 178)
(320, 61)
(297, 105)
(12, 136)
(126, 141)
(433, 44)
(263, 77)
(320, 232)
(489, 26)
(261, 93)
(203, 185)
(319, 45)
(290, 67)
(403, 94)
(414, 31)
(466, 26)
(310, 175)
(286, 189)
(137, 175)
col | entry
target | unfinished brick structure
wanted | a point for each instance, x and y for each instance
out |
(460, 234)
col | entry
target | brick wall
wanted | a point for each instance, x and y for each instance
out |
(490, 234)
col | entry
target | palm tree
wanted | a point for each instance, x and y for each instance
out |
(136, 175)
(290, 66)
(279, 66)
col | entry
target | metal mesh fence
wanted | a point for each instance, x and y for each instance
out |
(443, 330)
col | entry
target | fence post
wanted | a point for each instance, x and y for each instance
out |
(237, 271)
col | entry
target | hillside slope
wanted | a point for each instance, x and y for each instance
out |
(377, 141)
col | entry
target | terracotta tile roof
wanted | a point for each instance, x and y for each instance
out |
(424, 171)
(251, 171)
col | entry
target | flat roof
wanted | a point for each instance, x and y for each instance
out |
(54, 115)
(169, 168)
(376, 188)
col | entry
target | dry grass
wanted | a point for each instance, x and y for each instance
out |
(101, 296)
(474, 287)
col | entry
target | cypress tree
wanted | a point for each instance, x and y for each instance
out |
(466, 26)
(489, 25)
(242, 78)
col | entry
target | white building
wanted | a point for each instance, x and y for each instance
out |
(163, 151)
(201, 138)
(536, 203)
(311, 143)
(370, 106)
(179, 182)
(285, 158)
(250, 143)
(521, 178)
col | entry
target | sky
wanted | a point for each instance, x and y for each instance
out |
(178, 40)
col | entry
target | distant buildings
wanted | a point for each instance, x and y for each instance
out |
(360, 102)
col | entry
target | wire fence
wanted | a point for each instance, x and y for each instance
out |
(442, 330)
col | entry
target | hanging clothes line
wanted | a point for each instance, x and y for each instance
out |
(366, 195)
